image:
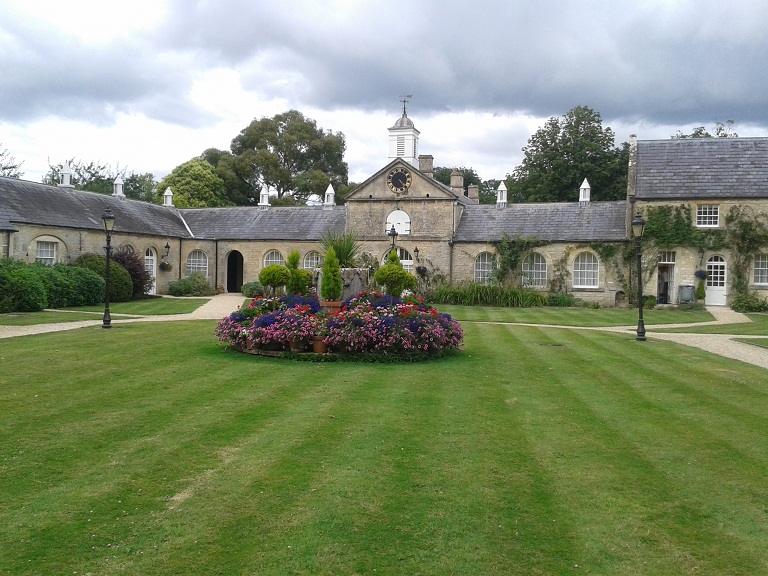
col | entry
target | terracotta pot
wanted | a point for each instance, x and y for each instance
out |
(330, 306)
(296, 345)
(318, 346)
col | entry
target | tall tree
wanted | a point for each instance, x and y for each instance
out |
(9, 166)
(487, 188)
(140, 186)
(194, 184)
(722, 130)
(565, 151)
(288, 153)
(100, 178)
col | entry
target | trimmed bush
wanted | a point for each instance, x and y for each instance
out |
(120, 284)
(331, 284)
(21, 290)
(471, 294)
(195, 285)
(394, 277)
(274, 276)
(749, 302)
(252, 289)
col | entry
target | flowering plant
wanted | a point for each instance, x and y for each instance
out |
(700, 274)
(166, 266)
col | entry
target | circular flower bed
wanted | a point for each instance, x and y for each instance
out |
(369, 324)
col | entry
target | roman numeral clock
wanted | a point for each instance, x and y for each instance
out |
(399, 180)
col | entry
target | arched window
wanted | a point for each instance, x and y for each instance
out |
(485, 264)
(400, 220)
(586, 271)
(273, 257)
(535, 271)
(197, 261)
(312, 260)
(405, 259)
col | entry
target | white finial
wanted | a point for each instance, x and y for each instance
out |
(65, 177)
(264, 198)
(168, 197)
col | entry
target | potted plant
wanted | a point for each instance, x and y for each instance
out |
(318, 338)
(331, 285)
(166, 266)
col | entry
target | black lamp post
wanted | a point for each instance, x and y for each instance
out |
(638, 227)
(392, 234)
(109, 223)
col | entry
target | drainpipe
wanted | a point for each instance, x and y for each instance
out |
(216, 264)
(180, 241)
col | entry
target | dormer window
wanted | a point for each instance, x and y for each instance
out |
(708, 216)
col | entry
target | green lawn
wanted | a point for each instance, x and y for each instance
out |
(149, 450)
(46, 317)
(574, 316)
(757, 327)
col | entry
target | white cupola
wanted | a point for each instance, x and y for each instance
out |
(501, 195)
(330, 197)
(264, 198)
(404, 140)
(168, 197)
(65, 177)
(584, 191)
(117, 188)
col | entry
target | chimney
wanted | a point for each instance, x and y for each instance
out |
(117, 188)
(427, 165)
(473, 191)
(168, 197)
(584, 192)
(501, 196)
(264, 198)
(330, 197)
(457, 182)
(65, 177)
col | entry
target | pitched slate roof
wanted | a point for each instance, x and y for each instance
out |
(553, 222)
(705, 168)
(23, 202)
(276, 223)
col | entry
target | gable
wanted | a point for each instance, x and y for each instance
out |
(421, 187)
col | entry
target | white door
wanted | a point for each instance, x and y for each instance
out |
(150, 266)
(716, 281)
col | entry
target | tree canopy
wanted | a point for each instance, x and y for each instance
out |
(288, 153)
(195, 184)
(565, 151)
(100, 178)
(487, 187)
(721, 130)
(9, 166)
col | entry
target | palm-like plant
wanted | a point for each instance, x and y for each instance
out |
(346, 246)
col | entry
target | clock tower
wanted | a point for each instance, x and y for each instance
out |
(404, 139)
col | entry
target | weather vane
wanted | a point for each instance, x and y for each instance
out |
(404, 99)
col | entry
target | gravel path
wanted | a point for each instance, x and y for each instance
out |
(221, 305)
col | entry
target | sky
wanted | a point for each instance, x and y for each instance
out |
(147, 85)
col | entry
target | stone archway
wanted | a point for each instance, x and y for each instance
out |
(234, 271)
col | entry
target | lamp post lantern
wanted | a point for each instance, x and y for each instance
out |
(109, 223)
(392, 234)
(638, 227)
(416, 253)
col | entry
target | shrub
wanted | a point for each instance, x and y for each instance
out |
(300, 280)
(275, 276)
(21, 290)
(120, 284)
(59, 287)
(562, 300)
(393, 277)
(749, 302)
(141, 280)
(649, 302)
(195, 285)
(472, 294)
(331, 284)
(701, 291)
(252, 289)
(88, 287)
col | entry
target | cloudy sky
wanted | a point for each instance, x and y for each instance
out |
(149, 84)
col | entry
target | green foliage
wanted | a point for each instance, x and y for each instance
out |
(195, 184)
(749, 302)
(21, 289)
(274, 276)
(252, 289)
(346, 247)
(394, 277)
(562, 300)
(331, 284)
(100, 178)
(471, 294)
(560, 272)
(195, 285)
(510, 255)
(722, 130)
(289, 154)
(301, 280)
(141, 280)
(701, 291)
(120, 283)
(68, 286)
(746, 234)
(9, 166)
(562, 153)
(293, 260)
(649, 302)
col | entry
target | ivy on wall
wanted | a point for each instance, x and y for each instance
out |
(510, 255)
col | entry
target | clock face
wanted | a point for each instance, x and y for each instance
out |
(399, 180)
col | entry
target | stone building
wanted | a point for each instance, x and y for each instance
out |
(441, 229)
